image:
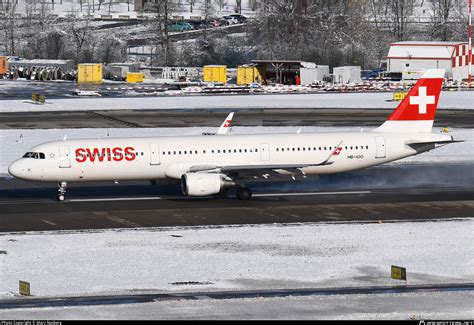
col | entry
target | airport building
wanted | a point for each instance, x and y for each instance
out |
(413, 58)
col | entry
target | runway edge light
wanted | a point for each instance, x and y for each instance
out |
(399, 273)
(24, 288)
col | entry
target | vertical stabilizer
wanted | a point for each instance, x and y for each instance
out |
(416, 113)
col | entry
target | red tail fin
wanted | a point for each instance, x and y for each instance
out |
(416, 113)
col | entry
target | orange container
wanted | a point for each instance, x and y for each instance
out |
(3, 65)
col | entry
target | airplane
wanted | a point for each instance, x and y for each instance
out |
(208, 165)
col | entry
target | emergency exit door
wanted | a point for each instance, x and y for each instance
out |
(265, 152)
(154, 154)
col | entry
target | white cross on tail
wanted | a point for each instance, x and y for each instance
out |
(422, 100)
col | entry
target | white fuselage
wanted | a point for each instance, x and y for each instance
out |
(116, 159)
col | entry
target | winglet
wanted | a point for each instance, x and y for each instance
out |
(336, 152)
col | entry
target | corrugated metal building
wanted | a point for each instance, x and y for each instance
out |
(412, 58)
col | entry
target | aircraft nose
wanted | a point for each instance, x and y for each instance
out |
(14, 169)
(17, 169)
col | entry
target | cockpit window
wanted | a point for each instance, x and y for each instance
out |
(34, 155)
(29, 155)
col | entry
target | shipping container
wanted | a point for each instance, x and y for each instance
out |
(315, 73)
(64, 65)
(215, 73)
(89, 73)
(347, 74)
(3, 65)
(119, 71)
(247, 75)
(135, 77)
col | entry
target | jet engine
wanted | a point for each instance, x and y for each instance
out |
(196, 184)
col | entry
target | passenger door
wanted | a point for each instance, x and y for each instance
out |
(380, 145)
(64, 157)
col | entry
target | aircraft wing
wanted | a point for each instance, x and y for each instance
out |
(254, 170)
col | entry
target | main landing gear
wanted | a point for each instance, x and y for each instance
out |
(243, 193)
(62, 191)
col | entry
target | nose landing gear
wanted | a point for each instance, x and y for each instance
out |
(62, 191)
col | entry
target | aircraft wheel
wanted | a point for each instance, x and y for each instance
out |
(61, 197)
(244, 194)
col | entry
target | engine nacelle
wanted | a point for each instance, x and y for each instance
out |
(195, 184)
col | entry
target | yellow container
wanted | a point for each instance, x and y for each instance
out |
(89, 73)
(135, 77)
(247, 75)
(3, 65)
(215, 73)
(399, 96)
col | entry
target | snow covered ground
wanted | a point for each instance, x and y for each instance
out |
(448, 100)
(236, 257)
(246, 258)
(14, 143)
